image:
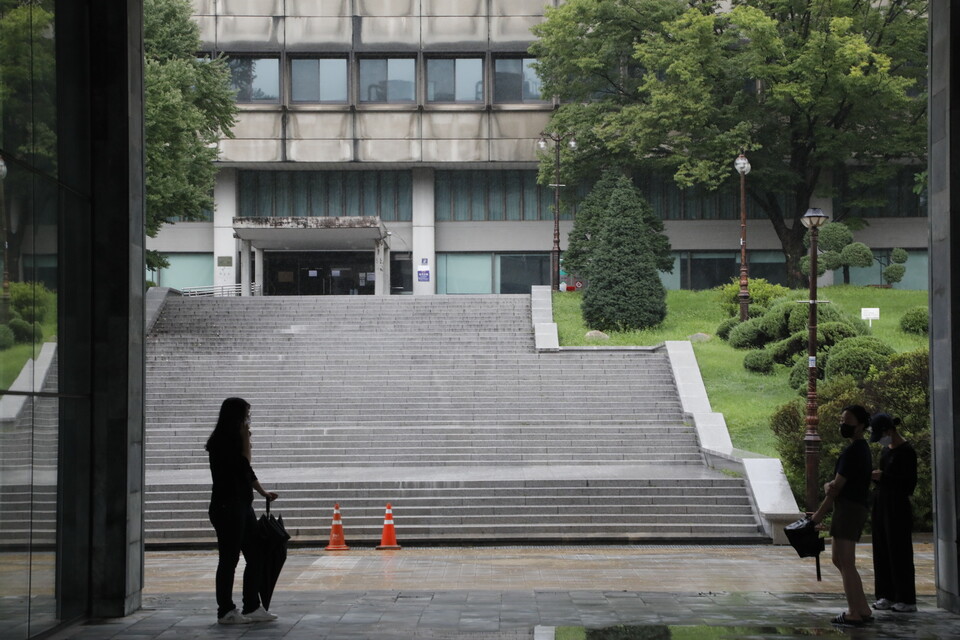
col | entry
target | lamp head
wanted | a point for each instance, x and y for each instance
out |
(3, 169)
(742, 165)
(542, 144)
(814, 218)
(572, 144)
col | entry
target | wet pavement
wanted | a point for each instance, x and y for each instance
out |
(541, 593)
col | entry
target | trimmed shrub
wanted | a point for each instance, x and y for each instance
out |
(893, 273)
(30, 300)
(758, 361)
(756, 311)
(800, 374)
(854, 362)
(37, 332)
(916, 320)
(6, 337)
(799, 318)
(748, 335)
(828, 334)
(22, 330)
(775, 321)
(761, 293)
(723, 330)
(866, 342)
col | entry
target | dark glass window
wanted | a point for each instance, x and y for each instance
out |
(492, 195)
(455, 80)
(318, 80)
(255, 79)
(388, 80)
(514, 80)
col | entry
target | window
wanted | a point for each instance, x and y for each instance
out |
(255, 79)
(318, 80)
(455, 80)
(515, 81)
(492, 195)
(388, 80)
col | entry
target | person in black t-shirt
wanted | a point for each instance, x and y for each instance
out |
(892, 518)
(231, 513)
(847, 495)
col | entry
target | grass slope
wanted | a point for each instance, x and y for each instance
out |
(745, 399)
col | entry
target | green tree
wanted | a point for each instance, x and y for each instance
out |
(624, 291)
(803, 86)
(189, 106)
(592, 215)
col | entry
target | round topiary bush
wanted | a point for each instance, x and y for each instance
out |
(22, 330)
(723, 330)
(762, 293)
(748, 335)
(855, 362)
(800, 318)
(6, 337)
(828, 334)
(916, 320)
(758, 361)
(775, 321)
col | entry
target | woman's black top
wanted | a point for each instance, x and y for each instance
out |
(899, 477)
(233, 477)
(856, 465)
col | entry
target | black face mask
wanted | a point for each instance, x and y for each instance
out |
(846, 430)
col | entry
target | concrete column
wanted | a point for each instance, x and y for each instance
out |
(944, 193)
(258, 269)
(224, 244)
(424, 234)
(244, 267)
(381, 266)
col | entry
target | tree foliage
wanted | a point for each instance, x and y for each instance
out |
(803, 86)
(189, 106)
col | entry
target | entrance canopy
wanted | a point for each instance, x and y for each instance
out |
(355, 233)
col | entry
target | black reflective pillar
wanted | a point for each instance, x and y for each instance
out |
(944, 193)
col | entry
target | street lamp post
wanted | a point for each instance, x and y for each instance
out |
(6, 251)
(742, 165)
(812, 220)
(555, 254)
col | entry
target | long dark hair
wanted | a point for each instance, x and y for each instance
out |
(861, 414)
(226, 435)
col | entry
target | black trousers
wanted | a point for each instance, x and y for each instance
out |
(236, 526)
(892, 523)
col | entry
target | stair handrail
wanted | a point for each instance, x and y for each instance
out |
(221, 290)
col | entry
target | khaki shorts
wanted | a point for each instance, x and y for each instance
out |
(848, 519)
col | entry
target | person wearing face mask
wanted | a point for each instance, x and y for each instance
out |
(892, 517)
(847, 495)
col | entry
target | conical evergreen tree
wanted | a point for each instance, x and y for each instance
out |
(625, 292)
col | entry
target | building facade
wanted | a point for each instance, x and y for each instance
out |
(390, 146)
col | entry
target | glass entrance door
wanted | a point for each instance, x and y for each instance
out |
(316, 273)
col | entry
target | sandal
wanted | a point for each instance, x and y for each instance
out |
(843, 621)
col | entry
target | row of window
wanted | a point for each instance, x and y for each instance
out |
(333, 80)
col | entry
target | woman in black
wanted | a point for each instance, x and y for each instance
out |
(847, 495)
(231, 513)
(892, 518)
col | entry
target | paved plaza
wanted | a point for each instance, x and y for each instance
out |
(541, 593)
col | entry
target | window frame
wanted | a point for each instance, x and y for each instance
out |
(427, 63)
(358, 75)
(524, 61)
(292, 60)
(249, 56)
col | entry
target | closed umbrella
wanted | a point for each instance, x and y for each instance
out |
(274, 538)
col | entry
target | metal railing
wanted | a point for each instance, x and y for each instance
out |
(222, 290)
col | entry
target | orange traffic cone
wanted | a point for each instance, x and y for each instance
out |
(389, 538)
(337, 543)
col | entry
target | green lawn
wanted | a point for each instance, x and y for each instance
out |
(13, 359)
(745, 399)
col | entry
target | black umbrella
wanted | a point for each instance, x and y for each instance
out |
(805, 539)
(274, 540)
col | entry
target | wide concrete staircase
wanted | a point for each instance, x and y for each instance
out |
(439, 405)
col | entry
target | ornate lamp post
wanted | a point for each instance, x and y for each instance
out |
(742, 165)
(555, 254)
(3, 222)
(812, 220)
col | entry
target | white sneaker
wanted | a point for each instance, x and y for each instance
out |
(260, 615)
(882, 604)
(234, 617)
(901, 607)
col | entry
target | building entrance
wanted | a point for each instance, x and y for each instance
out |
(318, 273)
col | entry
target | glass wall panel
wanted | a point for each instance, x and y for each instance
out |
(255, 79)
(492, 195)
(187, 270)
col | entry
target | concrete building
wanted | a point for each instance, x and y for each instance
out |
(390, 146)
